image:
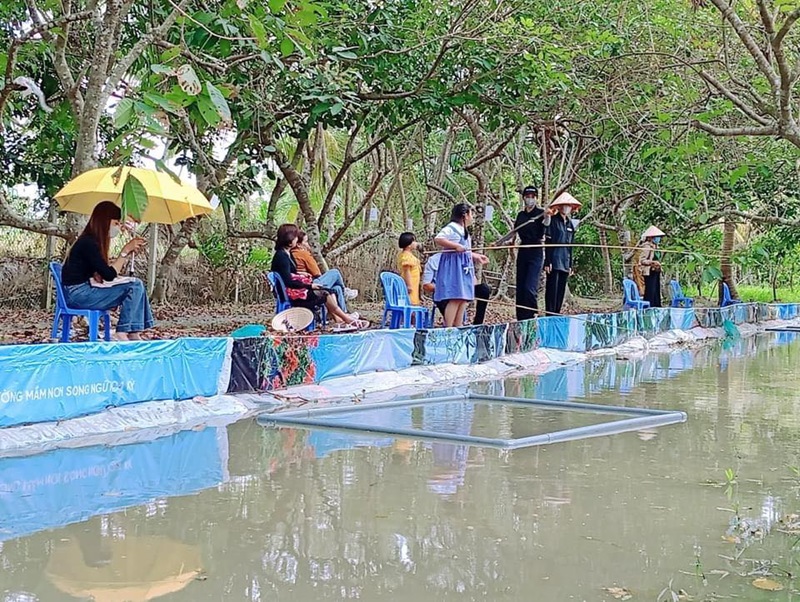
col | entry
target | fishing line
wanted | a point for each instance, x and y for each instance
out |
(580, 246)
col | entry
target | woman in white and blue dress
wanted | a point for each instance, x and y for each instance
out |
(455, 278)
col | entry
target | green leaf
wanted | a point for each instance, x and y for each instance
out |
(269, 148)
(170, 54)
(158, 100)
(219, 101)
(157, 68)
(161, 166)
(337, 108)
(178, 97)
(207, 110)
(259, 32)
(123, 113)
(144, 109)
(306, 17)
(276, 6)
(112, 146)
(737, 174)
(287, 46)
(134, 198)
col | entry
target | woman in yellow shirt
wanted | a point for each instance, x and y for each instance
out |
(409, 266)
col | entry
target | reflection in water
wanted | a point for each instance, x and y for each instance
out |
(132, 567)
(313, 515)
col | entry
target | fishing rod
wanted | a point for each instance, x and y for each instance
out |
(547, 313)
(579, 246)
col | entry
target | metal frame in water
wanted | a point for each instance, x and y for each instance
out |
(638, 418)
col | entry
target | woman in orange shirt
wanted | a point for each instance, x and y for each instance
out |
(331, 280)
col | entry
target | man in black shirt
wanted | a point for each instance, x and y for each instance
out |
(558, 258)
(530, 226)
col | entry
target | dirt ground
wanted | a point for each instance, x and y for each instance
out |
(26, 326)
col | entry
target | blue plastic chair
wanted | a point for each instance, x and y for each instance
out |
(678, 298)
(397, 305)
(630, 296)
(726, 297)
(64, 313)
(282, 301)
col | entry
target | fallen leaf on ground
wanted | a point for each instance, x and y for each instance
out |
(767, 584)
(620, 593)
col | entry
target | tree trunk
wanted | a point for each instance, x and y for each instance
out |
(608, 272)
(179, 242)
(299, 187)
(726, 267)
(544, 151)
(502, 286)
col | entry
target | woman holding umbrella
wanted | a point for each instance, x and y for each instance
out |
(90, 278)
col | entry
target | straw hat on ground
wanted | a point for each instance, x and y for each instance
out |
(292, 319)
(652, 232)
(566, 198)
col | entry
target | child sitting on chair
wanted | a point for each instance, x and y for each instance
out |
(409, 266)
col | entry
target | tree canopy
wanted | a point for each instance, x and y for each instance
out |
(360, 118)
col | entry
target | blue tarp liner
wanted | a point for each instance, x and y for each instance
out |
(61, 487)
(787, 311)
(554, 332)
(377, 350)
(682, 318)
(449, 345)
(43, 383)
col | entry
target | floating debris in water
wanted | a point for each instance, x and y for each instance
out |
(620, 593)
(767, 584)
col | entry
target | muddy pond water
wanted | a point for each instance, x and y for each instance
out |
(701, 510)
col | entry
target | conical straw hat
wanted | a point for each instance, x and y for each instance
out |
(566, 198)
(292, 319)
(652, 232)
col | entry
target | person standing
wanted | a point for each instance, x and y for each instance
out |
(456, 276)
(482, 290)
(530, 227)
(649, 265)
(558, 262)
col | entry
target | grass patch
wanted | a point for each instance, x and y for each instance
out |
(758, 294)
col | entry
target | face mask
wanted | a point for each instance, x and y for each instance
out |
(530, 201)
(567, 210)
(114, 231)
(657, 239)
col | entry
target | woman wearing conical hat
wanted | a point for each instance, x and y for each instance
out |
(558, 261)
(649, 266)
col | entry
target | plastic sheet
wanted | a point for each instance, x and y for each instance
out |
(70, 485)
(40, 383)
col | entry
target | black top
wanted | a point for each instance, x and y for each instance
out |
(283, 264)
(530, 234)
(559, 232)
(84, 261)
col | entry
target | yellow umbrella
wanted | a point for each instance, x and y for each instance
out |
(169, 202)
(138, 569)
